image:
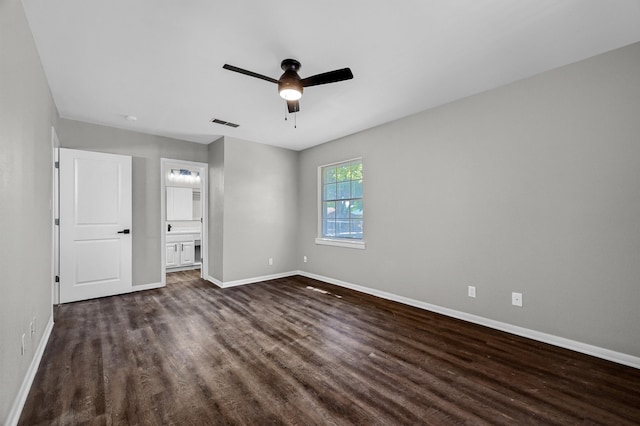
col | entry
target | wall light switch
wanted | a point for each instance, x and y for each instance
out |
(472, 291)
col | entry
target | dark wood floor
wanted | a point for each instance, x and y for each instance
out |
(280, 352)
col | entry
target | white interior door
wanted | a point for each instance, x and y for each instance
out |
(95, 225)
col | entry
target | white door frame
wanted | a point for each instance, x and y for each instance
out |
(55, 214)
(203, 168)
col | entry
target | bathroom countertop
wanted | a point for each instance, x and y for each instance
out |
(175, 231)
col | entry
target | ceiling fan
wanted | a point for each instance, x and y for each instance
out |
(290, 85)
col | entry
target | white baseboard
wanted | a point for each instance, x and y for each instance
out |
(252, 280)
(149, 286)
(618, 357)
(215, 281)
(21, 398)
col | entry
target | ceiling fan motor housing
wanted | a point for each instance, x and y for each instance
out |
(290, 78)
(290, 65)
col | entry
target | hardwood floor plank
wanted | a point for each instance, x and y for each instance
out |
(297, 351)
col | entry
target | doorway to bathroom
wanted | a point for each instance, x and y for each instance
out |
(183, 219)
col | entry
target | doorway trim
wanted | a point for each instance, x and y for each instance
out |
(203, 168)
(55, 215)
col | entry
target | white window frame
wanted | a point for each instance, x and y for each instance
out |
(336, 242)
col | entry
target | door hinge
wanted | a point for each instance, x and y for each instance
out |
(57, 279)
(57, 222)
(57, 164)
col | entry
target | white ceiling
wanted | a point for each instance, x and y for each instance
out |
(161, 60)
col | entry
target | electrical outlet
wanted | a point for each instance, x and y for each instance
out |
(33, 327)
(304, 259)
(472, 291)
(22, 344)
(271, 261)
(516, 299)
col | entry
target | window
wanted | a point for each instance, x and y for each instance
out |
(341, 208)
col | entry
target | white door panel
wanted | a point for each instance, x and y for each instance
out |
(95, 207)
(97, 260)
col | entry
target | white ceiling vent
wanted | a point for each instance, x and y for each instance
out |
(224, 123)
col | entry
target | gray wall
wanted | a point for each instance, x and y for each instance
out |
(258, 215)
(216, 208)
(146, 150)
(533, 187)
(27, 113)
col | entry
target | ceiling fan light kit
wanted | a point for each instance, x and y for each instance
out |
(290, 85)
(291, 94)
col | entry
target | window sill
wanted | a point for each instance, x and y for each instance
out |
(359, 244)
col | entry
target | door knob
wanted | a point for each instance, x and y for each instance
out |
(125, 231)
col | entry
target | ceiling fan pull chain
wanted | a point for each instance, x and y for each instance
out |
(295, 120)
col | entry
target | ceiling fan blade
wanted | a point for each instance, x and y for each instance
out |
(249, 73)
(294, 106)
(327, 77)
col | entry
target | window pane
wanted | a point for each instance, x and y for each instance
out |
(329, 192)
(329, 209)
(344, 190)
(343, 173)
(356, 189)
(329, 175)
(356, 171)
(355, 208)
(342, 210)
(342, 228)
(329, 228)
(356, 229)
